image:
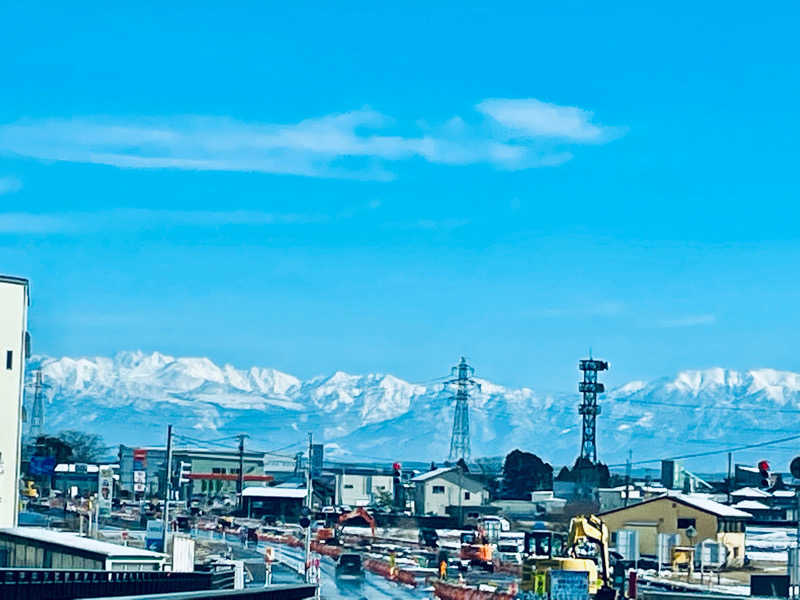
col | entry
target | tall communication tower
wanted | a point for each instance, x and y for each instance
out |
(37, 410)
(589, 409)
(462, 379)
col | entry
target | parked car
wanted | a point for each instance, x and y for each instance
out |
(509, 552)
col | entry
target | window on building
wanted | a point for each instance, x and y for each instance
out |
(437, 489)
(730, 526)
(466, 495)
(9, 359)
(684, 523)
(348, 486)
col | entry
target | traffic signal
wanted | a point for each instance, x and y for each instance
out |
(185, 472)
(305, 519)
(397, 484)
(763, 473)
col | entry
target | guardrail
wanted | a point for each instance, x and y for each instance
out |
(650, 594)
(64, 584)
(274, 592)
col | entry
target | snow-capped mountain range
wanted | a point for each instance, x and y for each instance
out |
(130, 397)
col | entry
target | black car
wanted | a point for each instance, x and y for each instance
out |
(349, 566)
(428, 537)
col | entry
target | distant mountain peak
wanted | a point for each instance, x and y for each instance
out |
(128, 397)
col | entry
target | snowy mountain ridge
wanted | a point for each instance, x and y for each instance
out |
(129, 396)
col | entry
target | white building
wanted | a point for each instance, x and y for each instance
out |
(14, 348)
(362, 489)
(439, 489)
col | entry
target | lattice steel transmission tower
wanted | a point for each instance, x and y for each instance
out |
(37, 410)
(462, 379)
(589, 409)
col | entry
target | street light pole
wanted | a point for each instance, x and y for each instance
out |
(167, 488)
(309, 493)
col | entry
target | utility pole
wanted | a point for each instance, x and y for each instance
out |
(240, 481)
(628, 476)
(309, 493)
(729, 482)
(462, 379)
(167, 488)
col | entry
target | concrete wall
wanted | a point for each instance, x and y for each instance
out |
(13, 324)
(361, 490)
(429, 503)
(661, 516)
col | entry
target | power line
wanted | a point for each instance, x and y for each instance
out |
(714, 452)
(731, 408)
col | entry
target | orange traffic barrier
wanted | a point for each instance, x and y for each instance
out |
(447, 591)
(326, 549)
(383, 568)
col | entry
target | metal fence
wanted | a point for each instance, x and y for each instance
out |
(273, 592)
(55, 584)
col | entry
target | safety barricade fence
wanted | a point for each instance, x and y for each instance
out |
(385, 569)
(450, 591)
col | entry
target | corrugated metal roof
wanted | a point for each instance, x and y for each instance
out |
(435, 473)
(750, 492)
(63, 538)
(710, 506)
(751, 505)
(698, 502)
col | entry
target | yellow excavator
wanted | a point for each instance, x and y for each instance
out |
(586, 549)
(29, 491)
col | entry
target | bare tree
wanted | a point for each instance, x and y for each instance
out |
(86, 447)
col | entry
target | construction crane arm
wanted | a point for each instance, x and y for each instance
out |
(359, 512)
(592, 529)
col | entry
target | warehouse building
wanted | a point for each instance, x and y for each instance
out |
(208, 472)
(675, 513)
(37, 548)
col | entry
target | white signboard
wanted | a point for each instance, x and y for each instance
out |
(105, 490)
(138, 487)
(139, 476)
(569, 585)
(275, 463)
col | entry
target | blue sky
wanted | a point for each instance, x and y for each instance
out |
(378, 188)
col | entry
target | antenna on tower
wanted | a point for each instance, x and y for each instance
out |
(589, 409)
(462, 378)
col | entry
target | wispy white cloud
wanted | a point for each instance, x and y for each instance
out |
(508, 134)
(689, 321)
(142, 219)
(9, 185)
(531, 118)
